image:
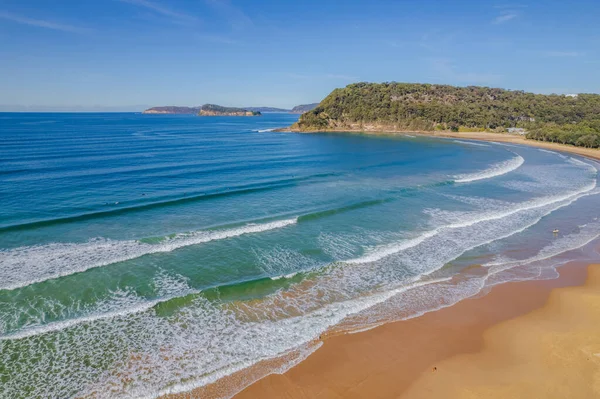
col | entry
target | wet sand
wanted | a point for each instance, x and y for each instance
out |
(470, 350)
(518, 139)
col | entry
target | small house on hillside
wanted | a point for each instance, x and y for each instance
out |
(517, 130)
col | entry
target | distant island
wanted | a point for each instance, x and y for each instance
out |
(204, 110)
(218, 110)
(566, 119)
(172, 110)
(267, 110)
(300, 109)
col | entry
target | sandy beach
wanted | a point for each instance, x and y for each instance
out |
(523, 339)
(552, 352)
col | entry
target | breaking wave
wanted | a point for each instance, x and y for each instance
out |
(498, 169)
(28, 265)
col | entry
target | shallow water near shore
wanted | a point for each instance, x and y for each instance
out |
(142, 255)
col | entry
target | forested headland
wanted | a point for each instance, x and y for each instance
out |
(566, 119)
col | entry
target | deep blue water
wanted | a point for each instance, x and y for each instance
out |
(142, 254)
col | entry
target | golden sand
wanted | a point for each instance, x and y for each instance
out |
(552, 352)
(497, 345)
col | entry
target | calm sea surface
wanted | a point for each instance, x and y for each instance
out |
(142, 254)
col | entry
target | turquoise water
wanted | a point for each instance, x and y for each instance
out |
(144, 254)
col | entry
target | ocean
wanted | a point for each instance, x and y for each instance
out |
(142, 255)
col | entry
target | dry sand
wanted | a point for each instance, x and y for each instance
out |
(553, 352)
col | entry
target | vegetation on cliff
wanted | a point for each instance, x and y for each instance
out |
(406, 106)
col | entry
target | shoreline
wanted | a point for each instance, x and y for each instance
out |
(379, 362)
(358, 365)
(353, 364)
(511, 138)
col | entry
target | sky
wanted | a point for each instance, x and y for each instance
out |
(122, 55)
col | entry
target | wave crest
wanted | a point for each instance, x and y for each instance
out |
(497, 169)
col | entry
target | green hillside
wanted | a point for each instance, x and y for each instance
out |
(426, 107)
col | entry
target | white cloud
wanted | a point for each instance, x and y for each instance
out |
(40, 23)
(160, 9)
(500, 19)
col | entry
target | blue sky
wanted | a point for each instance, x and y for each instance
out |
(128, 54)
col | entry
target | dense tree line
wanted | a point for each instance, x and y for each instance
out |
(559, 118)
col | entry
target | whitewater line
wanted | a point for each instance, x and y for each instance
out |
(145, 305)
(339, 309)
(410, 243)
(497, 169)
(63, 324)
(471, 143)
(24, 266)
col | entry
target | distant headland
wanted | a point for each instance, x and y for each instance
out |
(204, 110)
(302, 108)
(218, 110)
(409, 107)
(172, 110)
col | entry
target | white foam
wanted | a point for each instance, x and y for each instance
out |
(285, 276)
(470, 143)
(23, 266)
(118, 303)
(384, 251)
(497, 169)
(588, 233)
(145, 355)
(591, 168)
(131, 309)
